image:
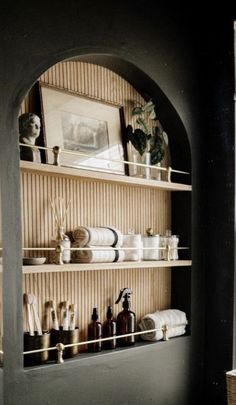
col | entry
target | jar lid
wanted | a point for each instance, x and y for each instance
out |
(149, 231)
(151, 236)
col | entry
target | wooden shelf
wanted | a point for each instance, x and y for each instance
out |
(48, 268)
(102, 176)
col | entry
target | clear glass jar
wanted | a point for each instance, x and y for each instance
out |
(156, 174)
(173, 244)
(63, 255)
(152, 242)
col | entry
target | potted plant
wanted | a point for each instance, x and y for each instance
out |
(148, 140)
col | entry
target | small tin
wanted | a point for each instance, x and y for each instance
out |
(66, 337)
(33, 343)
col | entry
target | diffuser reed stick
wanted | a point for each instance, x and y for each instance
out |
(60, 210)
(62, 243)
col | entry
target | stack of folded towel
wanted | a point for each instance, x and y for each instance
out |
(99, 237)
(173, 320)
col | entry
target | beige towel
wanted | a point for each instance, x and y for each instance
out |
(96, 256)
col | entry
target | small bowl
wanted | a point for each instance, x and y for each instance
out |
(31, 261)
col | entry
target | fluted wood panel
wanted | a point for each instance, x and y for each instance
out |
(93, 203)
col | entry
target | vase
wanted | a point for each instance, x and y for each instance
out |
(146, 160)
(156, 174)
(135, 170)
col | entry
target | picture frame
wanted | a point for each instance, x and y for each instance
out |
(85, 125)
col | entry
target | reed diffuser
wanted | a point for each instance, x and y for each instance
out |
(61, 242)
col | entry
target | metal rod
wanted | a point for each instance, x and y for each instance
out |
(107, 248)
(41, 350)
(108, 338)
(37, 146)
(68, 152)
(37, 248)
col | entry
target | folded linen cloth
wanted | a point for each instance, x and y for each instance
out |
(96, 256)
(99, 236)
(174, 319)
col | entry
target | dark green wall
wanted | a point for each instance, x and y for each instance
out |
(218, 84)
(167, 45)
(1, 386)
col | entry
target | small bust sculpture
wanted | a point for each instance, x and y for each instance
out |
(29, 129)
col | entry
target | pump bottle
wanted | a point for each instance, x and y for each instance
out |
(95, 332)
(109, 330)
(126, 319)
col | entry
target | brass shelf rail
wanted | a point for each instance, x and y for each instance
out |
(57, 151)
(60, 347)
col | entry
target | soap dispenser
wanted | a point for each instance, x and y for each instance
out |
(126, 319)
(95, 332)
(109, 330)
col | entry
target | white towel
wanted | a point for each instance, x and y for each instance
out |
(96, 256)
(174, 319)
(99, 236)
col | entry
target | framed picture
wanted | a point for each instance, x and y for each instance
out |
(84, 125)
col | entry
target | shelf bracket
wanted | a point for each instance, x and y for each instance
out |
(60, 348)
(56, 154)
(165, 332)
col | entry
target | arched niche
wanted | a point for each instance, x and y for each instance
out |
(64, 76)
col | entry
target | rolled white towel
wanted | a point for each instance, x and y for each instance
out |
(174, 319)
(96, 256)
(99, 236)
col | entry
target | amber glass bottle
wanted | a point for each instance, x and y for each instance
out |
(109, 330)
(126, 319)
(95, 332)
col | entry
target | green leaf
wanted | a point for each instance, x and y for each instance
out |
(140, 121)
(157, 132)
(152, 115)
(157, 155)
(149, 106)
(129, 131)
(137, 111)
(165, 137)
(156, 141)
(138, 140)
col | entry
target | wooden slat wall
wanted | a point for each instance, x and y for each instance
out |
(94, 203)
(100, 288)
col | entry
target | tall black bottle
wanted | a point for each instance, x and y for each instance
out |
(126, 319)
(109, 330)
(95, 332)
